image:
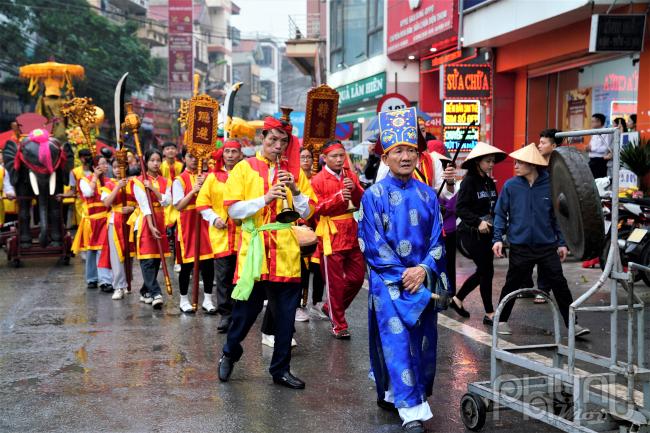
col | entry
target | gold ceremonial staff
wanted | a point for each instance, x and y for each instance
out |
(201, 116)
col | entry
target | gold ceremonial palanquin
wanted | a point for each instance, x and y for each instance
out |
(320, 120)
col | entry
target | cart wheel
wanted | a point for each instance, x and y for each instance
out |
(472, 411)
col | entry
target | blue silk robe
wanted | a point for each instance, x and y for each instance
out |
(400, 226)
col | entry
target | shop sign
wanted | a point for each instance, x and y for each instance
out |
(617, 32)
(621, 83)
(181, 61)
(362, 90)
(468, 81)
(392, 101)
(461, 112)
(407, 26)
(453, 135)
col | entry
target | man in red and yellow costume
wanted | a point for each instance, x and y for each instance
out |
(185, 190)
(335, 187)
(268, 264)
(224, 232)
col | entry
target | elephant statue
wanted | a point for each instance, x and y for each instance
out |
(38, 167)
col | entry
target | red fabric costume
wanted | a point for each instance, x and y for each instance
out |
(337, 234)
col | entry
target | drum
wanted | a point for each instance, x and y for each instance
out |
(306, 239)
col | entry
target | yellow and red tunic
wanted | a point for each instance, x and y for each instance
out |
(6, 206)
(79, 203)
(249, 180)
(225, 242)
(91, 233)
(146, 244)
(186, 225)
(169, 172)
(118, 217)
(425, 172)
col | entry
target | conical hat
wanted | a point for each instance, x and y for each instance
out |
(529, 154)
(482, 149)
(440, 156)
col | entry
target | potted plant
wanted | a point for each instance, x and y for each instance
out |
(635, 156)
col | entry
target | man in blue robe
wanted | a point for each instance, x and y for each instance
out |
(400, 234)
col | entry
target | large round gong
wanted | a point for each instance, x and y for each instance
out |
(576, 203)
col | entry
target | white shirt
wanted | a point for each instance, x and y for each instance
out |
(383, 170)
(143, 203)
(7, 187)
(600, 145)
(246, 208)
(84, 186)
(178, 193)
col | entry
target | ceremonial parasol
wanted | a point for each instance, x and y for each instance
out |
(53, 75)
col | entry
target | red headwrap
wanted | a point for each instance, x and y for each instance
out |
(332, 147)
(292, 153)
(436, 146)
(217, 155)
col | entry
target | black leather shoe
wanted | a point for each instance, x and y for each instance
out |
(487, 321)
(225, 368)
(92, 285)
(386, 405)
(462, 312)
(413, 427)
(106, 288)
(224, 324)
(289, 380)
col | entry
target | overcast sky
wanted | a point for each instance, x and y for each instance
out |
(269, 16)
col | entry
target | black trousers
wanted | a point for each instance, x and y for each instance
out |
(598, 167)
(284, 299)
(207, 273)
(318, 285)
(521, 262)
(149, 268)
(224, 270)
(450, 255)
(480, 249)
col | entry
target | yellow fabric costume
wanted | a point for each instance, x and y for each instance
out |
(171, 214)
(281, 258)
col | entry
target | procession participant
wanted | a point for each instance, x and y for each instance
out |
(477, 197)
(428, 170)
(185, 189)
(268, 263)
(310, 267)
(170, 168)
(400, 235)
(438, 152)
(145, 233)
(525, 207)
(92, 232)
(111, 195)
(76, 174)
(224, 232)
(7, 191)
(335, 188)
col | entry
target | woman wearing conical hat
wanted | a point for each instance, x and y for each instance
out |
(535, 239)
(477, 197)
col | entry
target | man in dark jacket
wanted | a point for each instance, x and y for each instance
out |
(534, 235)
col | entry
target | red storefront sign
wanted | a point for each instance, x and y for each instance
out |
(413, 25)
(468, 81)
(181, 65)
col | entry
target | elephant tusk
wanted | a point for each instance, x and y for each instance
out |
(52, 183)
(33, 182)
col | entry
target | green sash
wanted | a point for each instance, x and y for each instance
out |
(253, 265)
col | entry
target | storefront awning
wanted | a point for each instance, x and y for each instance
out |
(352, 117)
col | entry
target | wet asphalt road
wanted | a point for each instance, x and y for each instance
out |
(73, 360)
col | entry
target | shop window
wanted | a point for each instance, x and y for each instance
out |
(375, 27)
(267, 91)
(336, 34)
(356, 31)
(266, 59)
